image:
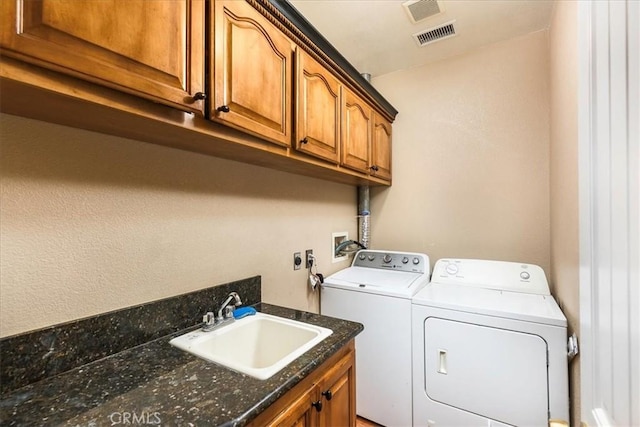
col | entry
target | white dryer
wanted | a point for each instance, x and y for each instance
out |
(489, 347)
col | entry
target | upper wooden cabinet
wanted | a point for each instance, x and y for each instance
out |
(252, 72)
(286, 98)
(356, 132)
(381, 153)
(317, 109)
(151, 49)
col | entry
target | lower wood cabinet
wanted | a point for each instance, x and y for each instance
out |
(301, 413)
(326, 398)
(337, 393)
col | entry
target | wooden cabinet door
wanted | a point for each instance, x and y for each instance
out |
(338, 394)
(381, 153)
(252, 72)
(317, 110)
(356, 132)
(154, 49)
(326, 398)
(300, 413)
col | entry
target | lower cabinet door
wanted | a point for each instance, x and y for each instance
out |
(302, 413)
(325, 398)
(337, 393)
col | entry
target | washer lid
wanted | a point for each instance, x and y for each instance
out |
(511, 305)
(377, 281)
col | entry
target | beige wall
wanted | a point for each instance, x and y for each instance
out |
(470, 156)
(564, 172)
(92, 223)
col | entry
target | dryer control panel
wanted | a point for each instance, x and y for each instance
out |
(390, 260)
(500, 275)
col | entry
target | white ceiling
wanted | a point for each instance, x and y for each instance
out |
(375, 36)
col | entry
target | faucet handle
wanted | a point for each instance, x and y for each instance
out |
(209, 318)
(228, 311)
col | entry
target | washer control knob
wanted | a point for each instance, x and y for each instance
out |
(386, 259)
(416, 260)
(525, 275)
(362, 257)
(405, 260)
(371, 257)
(452, 268)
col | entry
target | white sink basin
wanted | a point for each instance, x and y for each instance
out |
(258, 345)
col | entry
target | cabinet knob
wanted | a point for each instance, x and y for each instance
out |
(223, 109)
(374, 168)
(199, 95)
(317, 405)
(304, 140)
(327, 394)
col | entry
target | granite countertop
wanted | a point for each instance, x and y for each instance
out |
(158, 384)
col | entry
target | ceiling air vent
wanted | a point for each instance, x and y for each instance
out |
(434, 34)
(417, 10)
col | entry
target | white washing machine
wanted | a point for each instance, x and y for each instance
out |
(489, 347)
(376, 291)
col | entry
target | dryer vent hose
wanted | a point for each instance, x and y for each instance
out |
(348, 246)
(364, 216)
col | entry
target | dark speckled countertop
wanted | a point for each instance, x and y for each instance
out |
(157, 384)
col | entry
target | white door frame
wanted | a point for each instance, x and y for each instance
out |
(609, 180)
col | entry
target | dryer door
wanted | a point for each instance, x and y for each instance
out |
(495, 373)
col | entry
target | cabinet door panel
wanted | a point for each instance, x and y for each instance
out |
(381, 156)
(337, 411)
(153, 49)
(301, 413)
(252, 73)
(356, 132)
(337, 389)
(318, 110)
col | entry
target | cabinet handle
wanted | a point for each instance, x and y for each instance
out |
(199, 95)
(304, 140)
(374, 168)
(223, 109)
(317, 405)
(327, 394)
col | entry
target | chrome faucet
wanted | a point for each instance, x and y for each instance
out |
(227, 308)
(225, 313)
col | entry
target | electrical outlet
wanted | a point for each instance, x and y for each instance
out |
(336, 239)
(297, 260)
(308, 258)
